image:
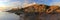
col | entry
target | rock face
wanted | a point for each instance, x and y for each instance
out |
(38, 12)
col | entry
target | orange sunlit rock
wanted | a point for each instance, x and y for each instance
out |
(35, 8)
(39, 8)
(58, 11)
(51, 9)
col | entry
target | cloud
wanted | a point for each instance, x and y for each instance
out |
(4, 0)
(27, 4)
(15, 4)
(55, 3)
(8, 5)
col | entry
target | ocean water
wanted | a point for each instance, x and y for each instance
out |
(12, 16)
(8, 16)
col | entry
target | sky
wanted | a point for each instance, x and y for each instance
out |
(7, 4)
(16, 3)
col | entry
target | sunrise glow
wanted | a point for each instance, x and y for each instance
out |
(3, 5)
